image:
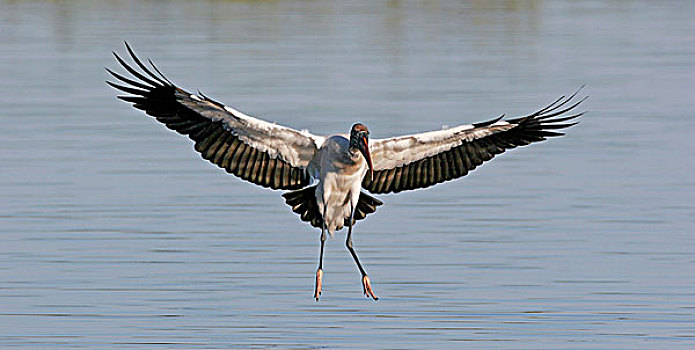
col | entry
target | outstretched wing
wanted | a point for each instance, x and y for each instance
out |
(416, 161)
(264, 153)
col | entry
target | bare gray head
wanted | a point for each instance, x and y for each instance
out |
(359, 139)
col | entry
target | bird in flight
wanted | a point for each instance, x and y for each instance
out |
(326, 176)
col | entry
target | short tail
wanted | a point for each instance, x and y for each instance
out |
(303, 202)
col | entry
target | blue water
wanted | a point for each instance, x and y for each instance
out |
(115, 234)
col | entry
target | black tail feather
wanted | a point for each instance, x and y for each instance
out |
(303, 202)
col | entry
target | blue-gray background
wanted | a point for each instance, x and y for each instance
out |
(115, 234)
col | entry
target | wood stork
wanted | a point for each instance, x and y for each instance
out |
(325, 175)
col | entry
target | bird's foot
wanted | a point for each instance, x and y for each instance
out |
(317, 290)
(367, 288)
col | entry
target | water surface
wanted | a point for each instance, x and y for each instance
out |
(115, 234)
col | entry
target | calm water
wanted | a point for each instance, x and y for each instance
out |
(115, 234)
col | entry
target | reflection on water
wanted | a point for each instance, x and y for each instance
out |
(116, 235)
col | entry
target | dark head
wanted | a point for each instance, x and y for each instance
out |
(359, 139)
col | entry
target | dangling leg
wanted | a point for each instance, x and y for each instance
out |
(366, 285)
(319, 271)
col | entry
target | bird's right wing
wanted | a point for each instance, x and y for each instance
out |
(264, 153)
(421, 160)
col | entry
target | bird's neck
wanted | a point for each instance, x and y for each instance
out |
(353, 154)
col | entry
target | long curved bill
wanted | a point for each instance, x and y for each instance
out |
(364, 148)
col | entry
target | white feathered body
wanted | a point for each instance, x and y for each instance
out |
(340, 180)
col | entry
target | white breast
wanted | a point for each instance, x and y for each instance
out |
(340, 181)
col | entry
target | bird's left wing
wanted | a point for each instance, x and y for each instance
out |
(421, 160)
(264, 153)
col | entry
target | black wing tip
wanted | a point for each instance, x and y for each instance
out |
(208, 99)
(144, 76)
(555, 116)
(488, 123)
(143, 66)
(159, 72)
(563, 119)
(569, 99)
(557, 108)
